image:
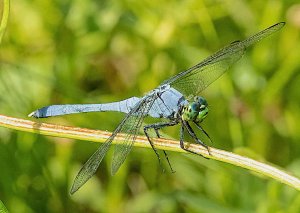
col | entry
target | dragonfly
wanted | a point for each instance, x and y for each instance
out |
(176, 101)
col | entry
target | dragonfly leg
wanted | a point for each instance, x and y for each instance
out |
(182, 142)
(156, 127)
(194, 136)
(202, 130)
(165, 153)
(146, 128)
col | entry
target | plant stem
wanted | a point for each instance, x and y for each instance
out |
(3, 17)
(159, 143)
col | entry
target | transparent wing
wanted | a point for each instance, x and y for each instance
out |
(91, 166)
(130, 125)
(197, 78)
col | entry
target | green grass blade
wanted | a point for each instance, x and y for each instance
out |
(4, 6)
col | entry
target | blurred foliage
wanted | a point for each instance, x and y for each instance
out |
(2, 208)
(58, 52)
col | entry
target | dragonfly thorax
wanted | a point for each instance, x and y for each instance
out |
(196, 110)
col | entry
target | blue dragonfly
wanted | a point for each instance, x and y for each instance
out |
(177, 101)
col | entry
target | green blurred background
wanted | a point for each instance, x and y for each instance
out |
(58, 52)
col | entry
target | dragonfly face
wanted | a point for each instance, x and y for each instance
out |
(195, 111)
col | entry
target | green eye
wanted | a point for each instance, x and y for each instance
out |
(202, 101)
(195, 107)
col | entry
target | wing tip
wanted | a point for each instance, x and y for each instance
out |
(73, 189)
(114, 169)
(278, 26)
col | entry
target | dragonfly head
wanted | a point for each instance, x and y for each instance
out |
(196, 110)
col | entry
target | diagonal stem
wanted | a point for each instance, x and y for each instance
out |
(141, 141)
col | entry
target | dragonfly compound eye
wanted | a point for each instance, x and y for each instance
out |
(202, 101)
(195, 107)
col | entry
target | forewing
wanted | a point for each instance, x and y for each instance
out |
(131, 127)
(194, 80)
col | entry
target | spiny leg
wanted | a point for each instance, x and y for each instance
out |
(156, 153)
(200, 127)
(182, 142)
(165, 153)
(194, 136)
(156, 127)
